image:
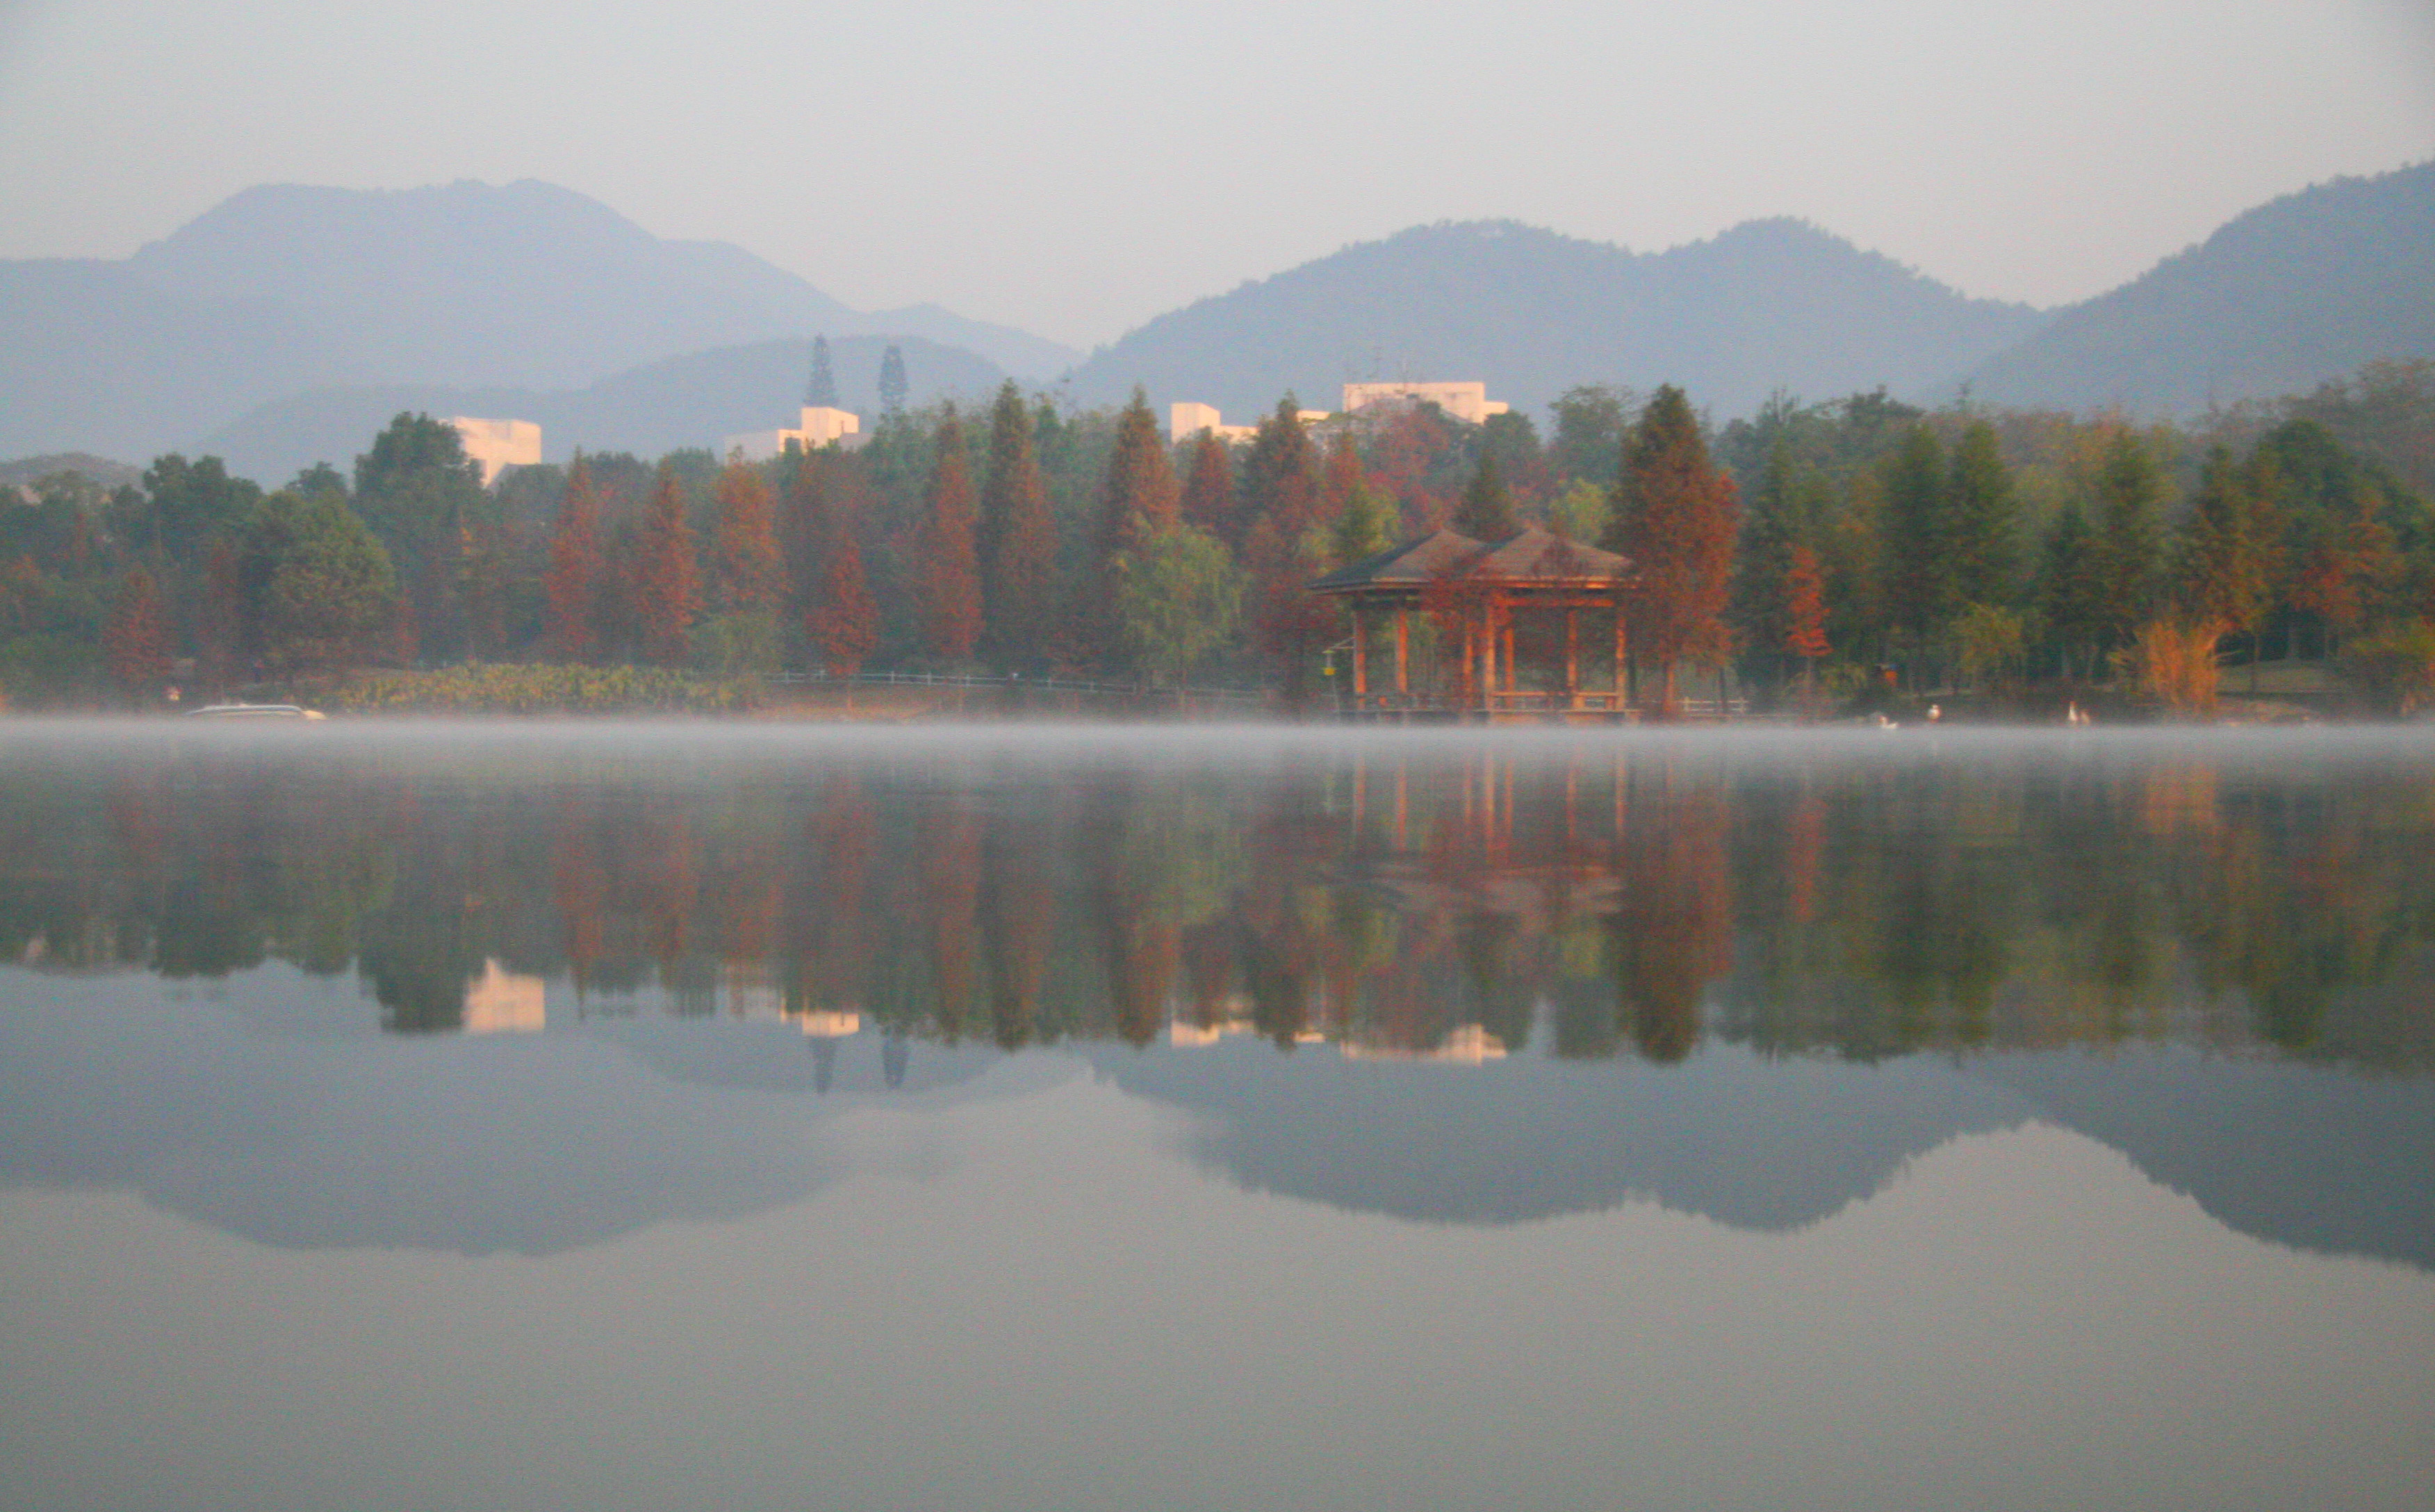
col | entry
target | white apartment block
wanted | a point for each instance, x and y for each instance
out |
(821, 425)
(1466, 402)
(498, 444)
(1186, 421)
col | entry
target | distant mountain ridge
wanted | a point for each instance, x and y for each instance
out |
(286, 304)
(1766, 305)
(2298, 292)
(283, 290)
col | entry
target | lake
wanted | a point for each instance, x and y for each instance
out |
(401, 1115)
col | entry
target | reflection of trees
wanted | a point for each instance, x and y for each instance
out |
(1673, 932)
(1860, 909)
(1017, 916)
(950, 887)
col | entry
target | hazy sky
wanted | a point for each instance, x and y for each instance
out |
(1076, 168)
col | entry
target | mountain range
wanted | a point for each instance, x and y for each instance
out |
(283, 326)
(1769, 304)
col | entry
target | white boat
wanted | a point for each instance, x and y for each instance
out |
(257, 711)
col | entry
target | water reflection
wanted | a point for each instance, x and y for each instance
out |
(1405, 897)
(1444, 976)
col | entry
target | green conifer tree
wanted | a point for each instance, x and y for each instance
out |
(1985, 518)
(1486, 512)
(1018, 540)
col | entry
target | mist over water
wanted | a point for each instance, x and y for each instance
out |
(979, 1036)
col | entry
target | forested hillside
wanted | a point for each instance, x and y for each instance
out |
(1767, 306)
(2295, 293)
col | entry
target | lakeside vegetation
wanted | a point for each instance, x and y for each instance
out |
(1840, 553)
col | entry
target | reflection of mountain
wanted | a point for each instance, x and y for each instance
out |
(531, 1143)
(2315, 1158)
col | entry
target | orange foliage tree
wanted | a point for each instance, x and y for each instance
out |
(752, 570)
(136, 640)
(1675, 517)
(572, 584)
(842, 619)
(1804, 611)
(667, 584)
(947, 568)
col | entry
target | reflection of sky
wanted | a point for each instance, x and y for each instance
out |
(470, 1143)
(1056, 1313)
(266, 1106)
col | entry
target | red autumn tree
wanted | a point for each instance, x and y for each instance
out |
(1344, 476)
(136, 640)
(1804, 611)
(946, 566)
(1209, 488)
(752, 570)
(1137, 500)
(667, 584)
(1675, 517)
(1281, 476)
(572, 584)
(1018, 540)
(841, 618)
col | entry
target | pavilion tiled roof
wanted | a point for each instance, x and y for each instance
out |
(1529, 557)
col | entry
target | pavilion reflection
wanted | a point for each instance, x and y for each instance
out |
(1414, 901)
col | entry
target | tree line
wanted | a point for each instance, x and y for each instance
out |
(1850, 548)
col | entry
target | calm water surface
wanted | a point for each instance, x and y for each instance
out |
(401, 1116)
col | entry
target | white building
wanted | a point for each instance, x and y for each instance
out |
(1467, 401)
(498, 444)
(821, 425)
(1186, 421)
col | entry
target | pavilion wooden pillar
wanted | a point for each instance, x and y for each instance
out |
(1505, 635)
(1403, 650)
(1360, 660)
(1572, 657)
(1622, 658)
(1488, 657)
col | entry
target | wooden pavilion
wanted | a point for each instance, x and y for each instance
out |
(1480, 586)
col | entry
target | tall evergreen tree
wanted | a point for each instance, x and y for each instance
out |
(752, 570)
(1018, 540)
(893, 386)
(1209, 488)
(2071, 589)
(947, 574)
(841, 618)
(418, 494)
(576, 568)
(136, 641)
(1137, 500)
(1804, 609)
(667, 581)
(1362, 526)
(1762, 561)
(1921, 585)
(1280, 478)
(1285, 544)
(2220, 562)
(820, 392)
(1675, 517)
(1985, 521)
(2130, 498)
(1486, 512)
